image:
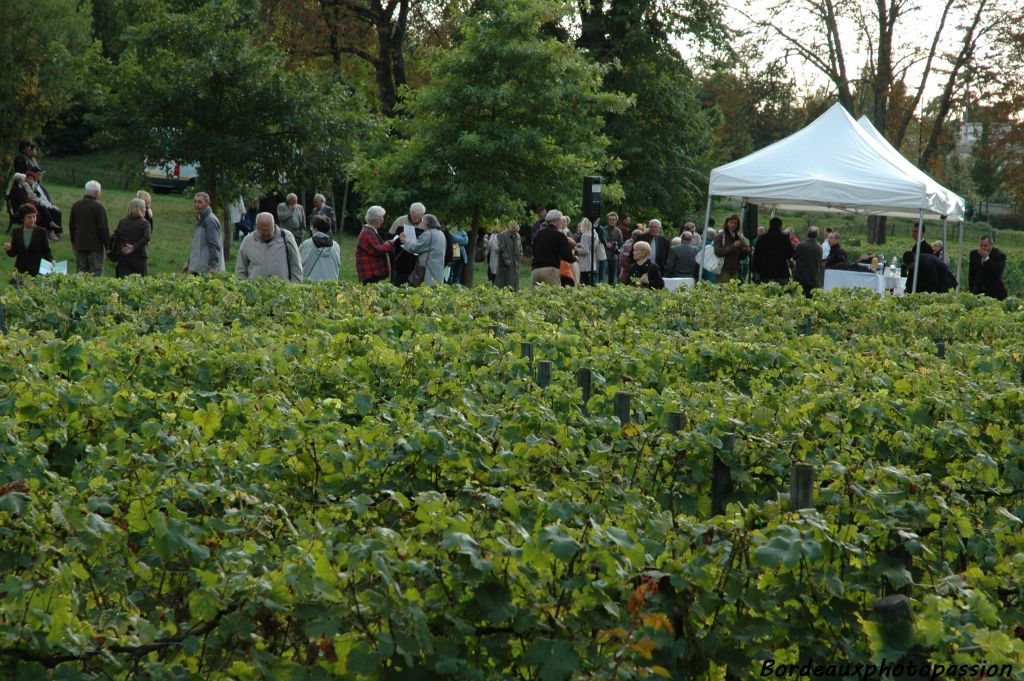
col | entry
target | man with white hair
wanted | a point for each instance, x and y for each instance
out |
(404, 262)
(89, 231)
(207, 252)
(292, 217)
(660, 246)
(269, 251)
(320, 207)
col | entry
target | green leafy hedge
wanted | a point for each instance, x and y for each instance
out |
(207, 478)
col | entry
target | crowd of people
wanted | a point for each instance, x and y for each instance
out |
(617, 253)
(279, 239)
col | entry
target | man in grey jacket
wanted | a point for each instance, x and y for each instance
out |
(682, 259)
(207, 252)
(292, 217)
(269, 251)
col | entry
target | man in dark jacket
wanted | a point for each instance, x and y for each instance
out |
(933, 275)
(985, 273)
(550, 248)
(89, 231)
(660, 246)
(807, 262)
(772, 254)
(836, 252)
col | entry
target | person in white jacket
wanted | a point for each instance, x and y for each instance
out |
(269, 251)
(321, 255)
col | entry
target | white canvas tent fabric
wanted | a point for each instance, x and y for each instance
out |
(956, 205)
(830, 165)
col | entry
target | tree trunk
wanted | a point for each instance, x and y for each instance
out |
(470, 255)
(876, 229)
(963, 59)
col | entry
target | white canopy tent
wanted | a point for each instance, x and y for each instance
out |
(831, 165)
(957, 205)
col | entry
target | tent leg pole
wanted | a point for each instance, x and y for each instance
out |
(945, 250)
(703, 241)
(917, 253)
(959, 255)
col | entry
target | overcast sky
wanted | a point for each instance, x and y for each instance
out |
(919, 32)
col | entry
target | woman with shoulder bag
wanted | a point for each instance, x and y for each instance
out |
(430, 247)
(732, 247)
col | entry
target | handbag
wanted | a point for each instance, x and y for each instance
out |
(419, 273)
(712, 263)
(114, 253)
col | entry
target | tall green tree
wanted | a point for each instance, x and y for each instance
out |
(756, 104)
(207, 89)
(508, 117)
(664, 138)
(988, 160)
(48, 65)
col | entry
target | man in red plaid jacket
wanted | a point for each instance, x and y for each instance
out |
(372, 253)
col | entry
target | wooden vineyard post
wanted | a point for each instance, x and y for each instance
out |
(721, 477)
(801, 486)
(544, 373)
(526, 350)
(895, 623)
(676, 422)
(585, 381)
(898, 556)
(622, 407)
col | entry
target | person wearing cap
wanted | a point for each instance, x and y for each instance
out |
(644, 271)
(372, 262)
(88, 230)
(550, 248)
(321, 256)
